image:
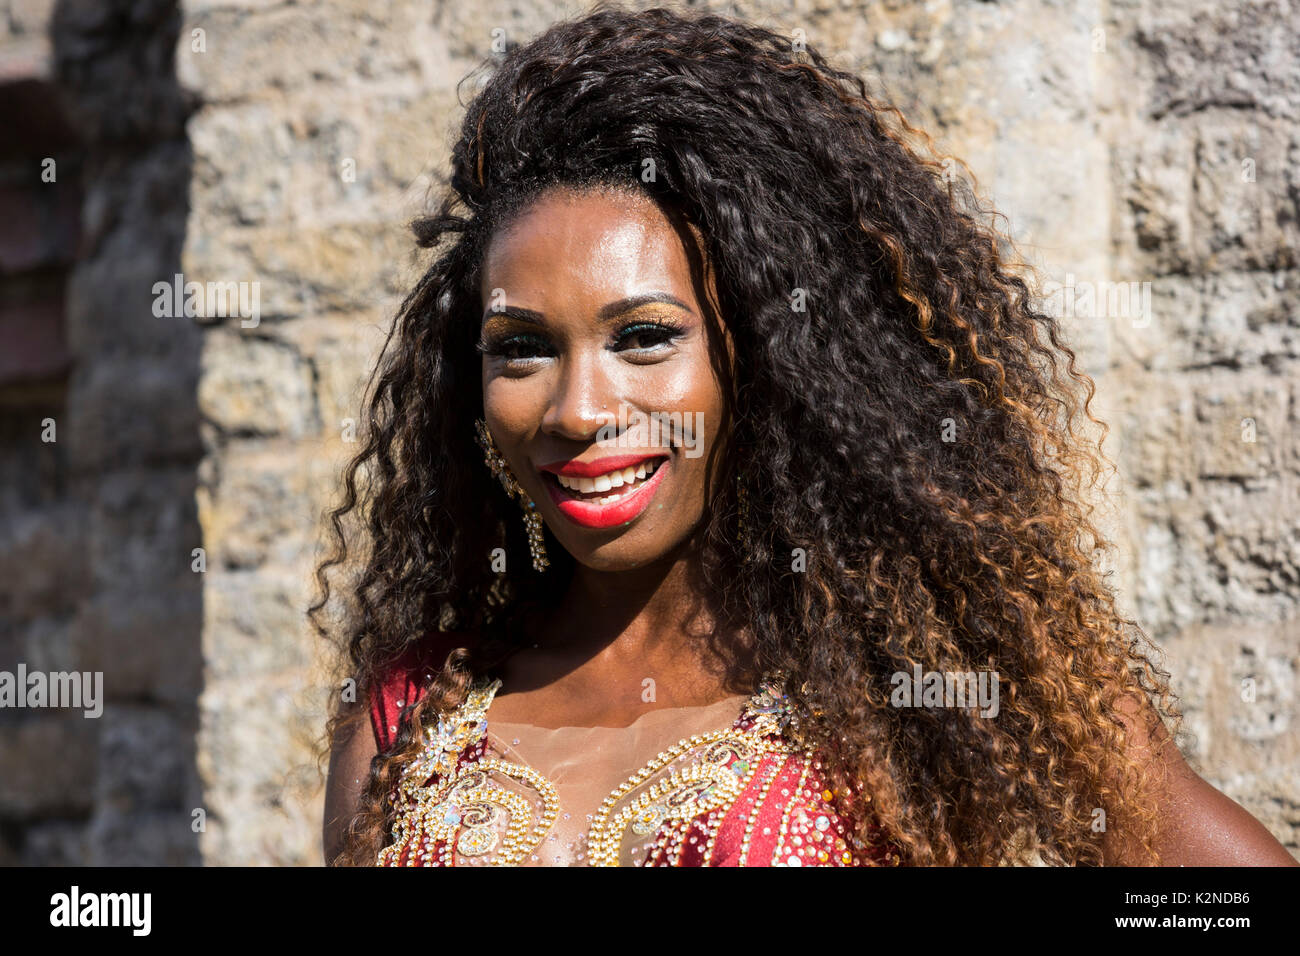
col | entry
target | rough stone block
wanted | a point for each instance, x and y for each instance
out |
(255, 625)
(43, 563)
(56, 843)
(145, 755)
(239, 54)
(132, 412)
(255, 386)
(146, 644)
(163, 838)
(50, 761)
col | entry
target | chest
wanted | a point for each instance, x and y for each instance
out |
(740, 795)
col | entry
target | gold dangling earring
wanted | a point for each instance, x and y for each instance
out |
(532, 519)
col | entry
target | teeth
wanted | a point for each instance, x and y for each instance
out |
(615, 479)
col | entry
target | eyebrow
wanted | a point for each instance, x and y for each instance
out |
(606, 313)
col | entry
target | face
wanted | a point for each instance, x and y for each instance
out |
(602, 374)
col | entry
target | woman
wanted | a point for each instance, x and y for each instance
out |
(716, 452)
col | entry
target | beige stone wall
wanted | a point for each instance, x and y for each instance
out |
(1133, 141)
(1110, 135)
(1205, 202)
(97, 524)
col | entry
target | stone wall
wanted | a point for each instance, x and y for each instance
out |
(96, 564)
(1115, 138)
(1205, 204)
(318, 124)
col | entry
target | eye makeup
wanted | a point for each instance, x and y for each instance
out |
(640, 335)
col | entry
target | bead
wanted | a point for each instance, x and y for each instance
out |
(452, 809)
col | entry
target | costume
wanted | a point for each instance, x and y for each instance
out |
(733, 790)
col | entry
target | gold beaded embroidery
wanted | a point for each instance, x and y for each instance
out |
(450, 738)
(790, 860)
(471, 804)
(461, 809)
(682, 795)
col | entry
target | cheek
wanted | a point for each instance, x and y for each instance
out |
(686, 385)
(689, 389)
(512, 407)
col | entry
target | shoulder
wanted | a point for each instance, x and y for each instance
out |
(351, 751)
(1200, 826)
(399, 683)
(403, 681)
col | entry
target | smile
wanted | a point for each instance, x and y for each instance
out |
(607, 492)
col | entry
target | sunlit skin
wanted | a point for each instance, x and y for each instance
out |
(871, 301)
(567, 340)
(631, 612)
(623, 620)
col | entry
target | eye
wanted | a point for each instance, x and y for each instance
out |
(517, 349)
(646, 337)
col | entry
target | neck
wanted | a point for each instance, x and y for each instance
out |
(654, 619)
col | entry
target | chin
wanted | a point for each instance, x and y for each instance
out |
(622, 554)
(615, 559)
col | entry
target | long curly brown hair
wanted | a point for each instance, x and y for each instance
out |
(918, 428)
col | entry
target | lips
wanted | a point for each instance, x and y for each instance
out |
(601, 466)
(606, 492)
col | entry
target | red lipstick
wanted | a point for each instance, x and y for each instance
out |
(591, 514)
(601, 466)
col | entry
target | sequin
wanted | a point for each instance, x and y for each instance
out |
(744, 795)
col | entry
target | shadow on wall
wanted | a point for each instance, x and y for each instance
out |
(99, 445)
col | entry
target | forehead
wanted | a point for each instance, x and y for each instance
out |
(596, 245)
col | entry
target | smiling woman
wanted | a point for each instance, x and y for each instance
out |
(775, 423)
(609, 326)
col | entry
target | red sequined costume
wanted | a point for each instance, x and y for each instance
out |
(735, 794)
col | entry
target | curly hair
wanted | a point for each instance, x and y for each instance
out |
(916, 428)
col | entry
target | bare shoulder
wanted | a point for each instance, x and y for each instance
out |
(1200, 826)
(351, 751)
(355, 745)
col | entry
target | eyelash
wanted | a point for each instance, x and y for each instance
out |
(502, 346)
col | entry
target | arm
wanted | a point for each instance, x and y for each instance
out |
(1199, 825)
(350, 755)
(355, 745)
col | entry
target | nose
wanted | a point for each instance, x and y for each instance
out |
(583, 400)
